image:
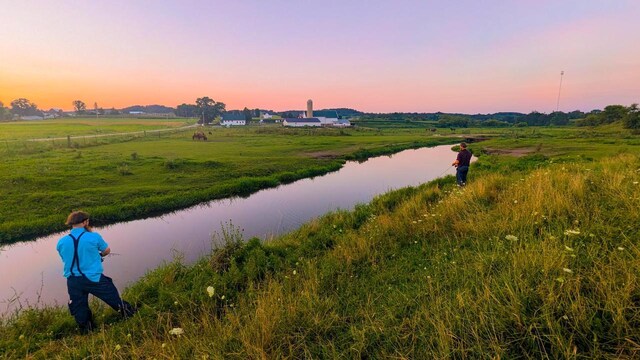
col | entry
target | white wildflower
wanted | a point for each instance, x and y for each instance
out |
(567, 270)
(211, 291)
(620, 248)
(176, 331)
(511, 238)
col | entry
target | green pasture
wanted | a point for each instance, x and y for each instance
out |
(124, 178)
(538, 257)
(37, 129)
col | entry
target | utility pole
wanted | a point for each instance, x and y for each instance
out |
(559, 89)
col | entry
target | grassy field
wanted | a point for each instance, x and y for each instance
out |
(21, 130)
(538, 257)
(125, 178)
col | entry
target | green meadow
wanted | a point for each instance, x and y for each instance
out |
(128, 177)
(39, 129)
(537, 257)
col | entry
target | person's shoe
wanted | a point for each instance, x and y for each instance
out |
(87, 327)
(127, 310)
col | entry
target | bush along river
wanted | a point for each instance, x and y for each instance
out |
(32, 271)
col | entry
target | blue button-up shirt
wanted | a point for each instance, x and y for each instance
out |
(90, 246)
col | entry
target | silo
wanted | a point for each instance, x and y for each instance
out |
(309, 108)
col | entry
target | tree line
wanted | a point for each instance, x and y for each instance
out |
(629, 116)
(19, 107)
(207, 110)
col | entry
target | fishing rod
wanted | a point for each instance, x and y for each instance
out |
(447, 169)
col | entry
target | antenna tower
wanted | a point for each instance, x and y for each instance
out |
(559, 89)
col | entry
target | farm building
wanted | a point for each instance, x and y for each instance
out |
(326, 117)
(342, 123)
(233, 118)
(264, 115)
(301, 122)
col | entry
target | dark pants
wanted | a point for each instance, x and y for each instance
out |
(80, 287)
(461, 175)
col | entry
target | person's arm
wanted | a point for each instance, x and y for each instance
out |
(103, 245)
(455, 163)
(105, 252)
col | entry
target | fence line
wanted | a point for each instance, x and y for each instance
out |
(74, 141)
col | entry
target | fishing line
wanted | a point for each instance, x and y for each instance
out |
(447, 169)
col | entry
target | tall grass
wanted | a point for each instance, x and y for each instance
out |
(540, 262)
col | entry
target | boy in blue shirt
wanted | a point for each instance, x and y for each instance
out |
(81, 252)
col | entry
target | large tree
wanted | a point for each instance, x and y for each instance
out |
(79, 106)
(632, 119)
(187, 110)
(558, 118)
(247, 114)
(4, 112)
(209, 109)
(24, 107)
(613, 113)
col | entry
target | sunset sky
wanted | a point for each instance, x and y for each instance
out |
(468, 56)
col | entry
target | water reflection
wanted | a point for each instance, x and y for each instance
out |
(33, 269)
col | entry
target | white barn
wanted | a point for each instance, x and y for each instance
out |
(301, 122)
(326, 117)
(233, 118)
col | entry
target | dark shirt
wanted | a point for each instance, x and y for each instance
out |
(464, 157)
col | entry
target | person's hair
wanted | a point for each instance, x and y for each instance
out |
(76, 217)
(463, 145)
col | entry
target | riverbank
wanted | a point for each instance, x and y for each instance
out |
(150, 176)
(537, 257)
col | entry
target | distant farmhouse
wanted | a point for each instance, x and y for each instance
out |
(301, 122)
(269, 117)
(265, 115)
(233, 118)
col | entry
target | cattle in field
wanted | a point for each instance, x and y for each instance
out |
(199, 136)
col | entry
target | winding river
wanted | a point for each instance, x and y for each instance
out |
(32, 271)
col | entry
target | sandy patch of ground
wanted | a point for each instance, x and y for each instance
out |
(323, 155)
(511, 152)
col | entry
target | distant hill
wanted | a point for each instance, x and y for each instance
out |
(346, 112)
(150, 109)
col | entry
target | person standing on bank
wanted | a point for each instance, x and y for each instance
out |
(462, 164)
(81, 252)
